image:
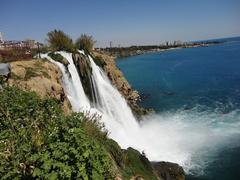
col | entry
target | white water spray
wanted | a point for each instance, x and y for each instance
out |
(71, 83)
(185, 137)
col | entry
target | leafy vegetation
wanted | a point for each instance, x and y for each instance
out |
(10, 55)
(59, 41)
(38, 141)
(2, 81)
(56, 56)
(85, 42)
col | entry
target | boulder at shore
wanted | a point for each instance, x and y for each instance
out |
(168, 170)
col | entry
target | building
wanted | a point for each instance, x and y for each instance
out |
(1, 38)
(12, 44)
(27, 44)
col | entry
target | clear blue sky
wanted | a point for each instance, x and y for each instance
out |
(125, 22)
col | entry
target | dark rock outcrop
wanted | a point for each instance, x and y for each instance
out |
(168, 170)
(131, 164)
(84, 68)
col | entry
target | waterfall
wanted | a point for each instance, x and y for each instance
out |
(71, 83)
(117, 115)
(185, 137)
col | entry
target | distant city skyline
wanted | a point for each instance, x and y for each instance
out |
(123, 23)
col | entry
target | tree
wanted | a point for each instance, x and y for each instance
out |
(59, 41)
(85, 42)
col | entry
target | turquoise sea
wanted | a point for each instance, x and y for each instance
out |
(202, 80)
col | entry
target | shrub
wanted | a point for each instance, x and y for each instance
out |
(56, 56)
(10, 55)
(59, 41)
(39, 142)
(85, 42)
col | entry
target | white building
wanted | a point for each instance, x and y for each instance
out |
(1, 38)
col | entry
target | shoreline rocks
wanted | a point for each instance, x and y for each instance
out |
(44, 78)
(168, 170)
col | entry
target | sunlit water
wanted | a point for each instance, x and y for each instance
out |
(196, 93)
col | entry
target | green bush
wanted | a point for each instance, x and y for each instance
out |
(85, 42)
(59, 41)
(38, 141)
(56, 57)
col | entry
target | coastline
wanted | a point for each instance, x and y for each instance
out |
(139, 50)
(48, 84)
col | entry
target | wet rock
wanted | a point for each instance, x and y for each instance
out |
(84, 69)
(65, 62)
(168, 170)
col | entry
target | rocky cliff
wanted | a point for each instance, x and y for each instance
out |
(39, 76)
(118, 80)
(44, 78)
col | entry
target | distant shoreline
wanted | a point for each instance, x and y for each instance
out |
(139, 50)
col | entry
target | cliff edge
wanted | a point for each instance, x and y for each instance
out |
(39, 76)
(119, 81)
(44, 78)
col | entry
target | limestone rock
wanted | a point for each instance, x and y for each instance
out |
(65, 62)
(118, 80)
(84, 69)
(39, 76)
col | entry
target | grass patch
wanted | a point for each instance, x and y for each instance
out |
(30, 72)
(46, 75)
(15, 76)
(39, 63)
(137, 164)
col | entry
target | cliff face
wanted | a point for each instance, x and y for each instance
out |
(44, 78)
(39, 76)
(118, 80)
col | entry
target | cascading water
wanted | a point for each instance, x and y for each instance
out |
(117, 116)
(182, 137)
(71, 83)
